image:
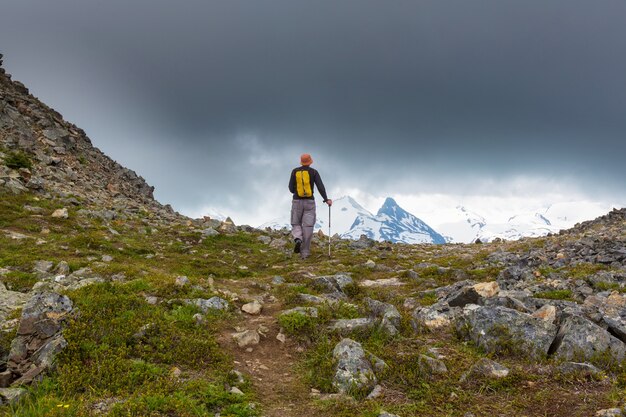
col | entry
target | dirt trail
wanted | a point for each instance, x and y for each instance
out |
(271, 367)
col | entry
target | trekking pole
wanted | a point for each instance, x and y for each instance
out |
(329, 231)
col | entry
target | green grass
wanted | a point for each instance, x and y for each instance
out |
(17, 160)
(555, 295)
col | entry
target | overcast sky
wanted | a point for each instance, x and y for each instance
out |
(213, 101)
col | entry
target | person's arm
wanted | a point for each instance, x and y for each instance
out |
(320, 187)
(292, 183)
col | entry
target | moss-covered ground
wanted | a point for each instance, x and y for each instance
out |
(181, 368)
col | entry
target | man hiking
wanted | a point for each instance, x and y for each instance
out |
(301, 184)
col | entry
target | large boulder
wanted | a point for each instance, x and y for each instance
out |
(434, 317)
(354, 370)
(388, 314)
(500, 329)
(10, 301)
(39, 337)
(580, 339)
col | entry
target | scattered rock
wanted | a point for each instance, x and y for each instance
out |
(39, 339)
(247, 338)
(253, 308)
(580, 369)
(345, 326)
(61, 213)
(213, 303)
(578, 338)
(354, 371)
(431, 366)
(181, 281)
(385, 282)
(610, 412)
(305, 311)
(485, 368)
(11, 395)
(501, 329)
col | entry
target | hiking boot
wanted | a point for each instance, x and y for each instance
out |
(296, 248)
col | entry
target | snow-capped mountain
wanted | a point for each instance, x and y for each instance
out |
(464, 225)
(350, 220)
(344, 211)
(394, 224)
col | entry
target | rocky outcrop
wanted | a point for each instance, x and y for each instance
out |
(355, 369)
(501, 329)
(62, 159)
(39, 336)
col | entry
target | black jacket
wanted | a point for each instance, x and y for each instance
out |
(314, 178)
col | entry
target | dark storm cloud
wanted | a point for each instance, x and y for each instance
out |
(444, 91)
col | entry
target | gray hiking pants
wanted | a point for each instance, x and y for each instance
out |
(302, 223)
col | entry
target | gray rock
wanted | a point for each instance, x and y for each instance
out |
(580, 339)
(314, 299)
(345, 326)
(498, 329)
(208, 232)
(431, 366)
(264, 239)
(486, 368)
(577, 368)
(354, 371)
(181, 281)
(335, 282)
(278, 280)
(610, 412)
(305, 311)
(464, 296)
(12, 396)
(10, 301)
(386, 414)
(43, 266)
(388, 314)
(436, 316)
(62, 268)
(39, 338)
(213, 303)
(247, 338)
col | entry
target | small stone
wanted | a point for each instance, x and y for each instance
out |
(175, 372)
(546, 313)
(107, 258)
(370, 264)
(5, 379)
(431, 366)
(376, 392)
(582, 369)
(610, 412)
(253, 308)
(12, 395)
(385, 282)
(247, 338)
(60, 213)
(277, 280)
(386, 414)
(236, 391)
(487, 289)
(281, 337)
(486, 368)
(199, 319)
(152, 300)
(181, 281)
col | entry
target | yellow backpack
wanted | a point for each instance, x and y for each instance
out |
(303, 183)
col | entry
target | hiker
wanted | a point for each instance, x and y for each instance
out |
(301, 184)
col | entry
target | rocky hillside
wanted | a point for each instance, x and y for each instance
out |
(53, 157)
(111, 304)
